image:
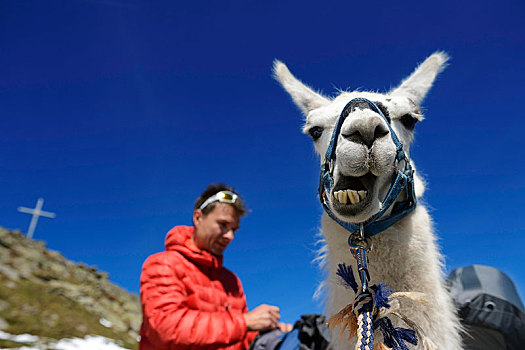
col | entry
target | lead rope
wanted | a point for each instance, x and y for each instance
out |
(363, 305)
(372, 305)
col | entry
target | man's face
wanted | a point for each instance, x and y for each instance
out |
(213, 232)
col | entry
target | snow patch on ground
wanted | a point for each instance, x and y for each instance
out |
(18, 338)
(89, 342)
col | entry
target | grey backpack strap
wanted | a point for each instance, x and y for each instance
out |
(270, 340)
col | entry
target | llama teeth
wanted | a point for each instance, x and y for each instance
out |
(362, 194)
(343, 197)
(350, 197)
(354, 198)
(339, 196)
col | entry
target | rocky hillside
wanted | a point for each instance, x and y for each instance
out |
(45, 295)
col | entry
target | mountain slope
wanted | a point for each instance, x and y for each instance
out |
(44, 294)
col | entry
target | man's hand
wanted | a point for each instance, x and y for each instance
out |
(285, 327)
(263, 318)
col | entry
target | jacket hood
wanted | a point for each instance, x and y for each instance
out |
(179, 239)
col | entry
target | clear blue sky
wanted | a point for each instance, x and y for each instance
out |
(119, 113)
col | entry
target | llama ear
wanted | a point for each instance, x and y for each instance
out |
(420, 81)
(303, 96)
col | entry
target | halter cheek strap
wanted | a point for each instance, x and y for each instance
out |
(404, 179)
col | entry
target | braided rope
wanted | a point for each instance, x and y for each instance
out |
(365, 332)
(362, 308)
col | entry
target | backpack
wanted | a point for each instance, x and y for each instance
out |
(309, 333)
(489, 307)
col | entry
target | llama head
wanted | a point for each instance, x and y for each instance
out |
(365, 152)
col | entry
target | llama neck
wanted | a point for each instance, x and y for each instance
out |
(404, 256)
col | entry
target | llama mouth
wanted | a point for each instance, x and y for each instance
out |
(352, 191)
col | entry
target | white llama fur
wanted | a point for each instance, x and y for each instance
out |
(405, 256)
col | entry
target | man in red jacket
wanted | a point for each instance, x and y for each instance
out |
(189, 299)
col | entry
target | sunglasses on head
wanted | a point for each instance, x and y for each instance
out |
(222, 196)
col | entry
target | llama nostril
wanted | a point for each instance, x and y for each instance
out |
(359, 137)
(353, 136)
(380, 131)
(366, 131)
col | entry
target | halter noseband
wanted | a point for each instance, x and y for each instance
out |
(404, 179)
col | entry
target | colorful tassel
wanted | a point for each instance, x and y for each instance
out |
(346, 320)
(382, 294)
(395, 337)
(346, 273)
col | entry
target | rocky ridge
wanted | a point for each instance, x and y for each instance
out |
(44, 294)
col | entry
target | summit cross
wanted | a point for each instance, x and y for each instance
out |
(36, 212)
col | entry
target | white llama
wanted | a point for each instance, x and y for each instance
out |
(405, 255)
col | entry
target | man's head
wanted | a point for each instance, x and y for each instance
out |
(216, 216)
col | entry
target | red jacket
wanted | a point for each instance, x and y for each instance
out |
(189, 300)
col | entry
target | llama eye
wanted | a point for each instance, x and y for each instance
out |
(408, 121)
(315, 132)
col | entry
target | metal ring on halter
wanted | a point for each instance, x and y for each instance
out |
(396, 164)
(355, 242)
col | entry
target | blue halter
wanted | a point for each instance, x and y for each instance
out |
(404, 179)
